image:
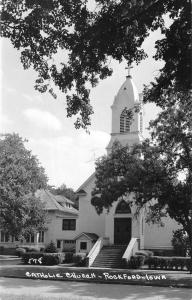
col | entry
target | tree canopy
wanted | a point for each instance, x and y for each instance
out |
(21, 175)
(87, 39)
(158, 171)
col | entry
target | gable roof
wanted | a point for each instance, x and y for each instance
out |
(84, 185)
(91, 236)
(63, 199)
(51, 202)
(81, 192)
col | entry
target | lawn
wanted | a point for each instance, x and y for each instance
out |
(7, 257)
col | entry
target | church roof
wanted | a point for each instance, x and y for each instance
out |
(81, 189)
(91, 236)
(52, 203)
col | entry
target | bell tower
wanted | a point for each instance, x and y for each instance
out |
(126, 102)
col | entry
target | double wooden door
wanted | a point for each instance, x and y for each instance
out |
(122, 231)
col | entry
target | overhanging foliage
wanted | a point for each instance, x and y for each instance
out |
(87, 39)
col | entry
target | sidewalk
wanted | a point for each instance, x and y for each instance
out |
(115, 276)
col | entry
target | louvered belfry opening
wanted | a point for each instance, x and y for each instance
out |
(124, 121)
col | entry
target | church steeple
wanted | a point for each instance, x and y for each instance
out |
(127, 100)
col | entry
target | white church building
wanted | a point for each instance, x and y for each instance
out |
(117, 231)
(119, 226)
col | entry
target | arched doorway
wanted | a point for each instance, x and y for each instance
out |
(122, 224)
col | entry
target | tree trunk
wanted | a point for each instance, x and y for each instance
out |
(189, 231)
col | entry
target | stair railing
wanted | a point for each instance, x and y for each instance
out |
(95, 250)
(132, 247)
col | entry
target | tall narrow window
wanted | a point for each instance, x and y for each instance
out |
(27, 238)
(30, 238)
(58, 243)
(124, 121)
(141, 122)
(41, 237)
(4, 237)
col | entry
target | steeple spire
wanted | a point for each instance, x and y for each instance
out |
(129, 67)
(122, 130)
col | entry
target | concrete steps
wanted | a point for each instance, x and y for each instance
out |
(110, 257)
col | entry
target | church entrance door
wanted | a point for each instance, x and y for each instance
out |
(122, 231)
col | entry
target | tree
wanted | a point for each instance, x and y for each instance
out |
(180, 242)
(51, 248)
(115, 29)
(158, 171)
(21, 213)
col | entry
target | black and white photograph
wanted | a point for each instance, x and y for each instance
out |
(95, 150)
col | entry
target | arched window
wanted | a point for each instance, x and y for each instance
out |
(124, 121)
(123, 208)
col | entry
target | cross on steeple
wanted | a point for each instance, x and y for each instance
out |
(129, 67)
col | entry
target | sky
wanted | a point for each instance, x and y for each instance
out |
(67, 154)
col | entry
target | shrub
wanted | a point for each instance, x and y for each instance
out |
(51, 248)
(189, 264)
(149, 253)
(20, 251)
(180, 242)
(68, 257)
(135, 262)
(48, 259)
(168, 263)
(2, 249)
(145, 253)
(68, 249)
(10, 251)
(32, 250)
(79, 259)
